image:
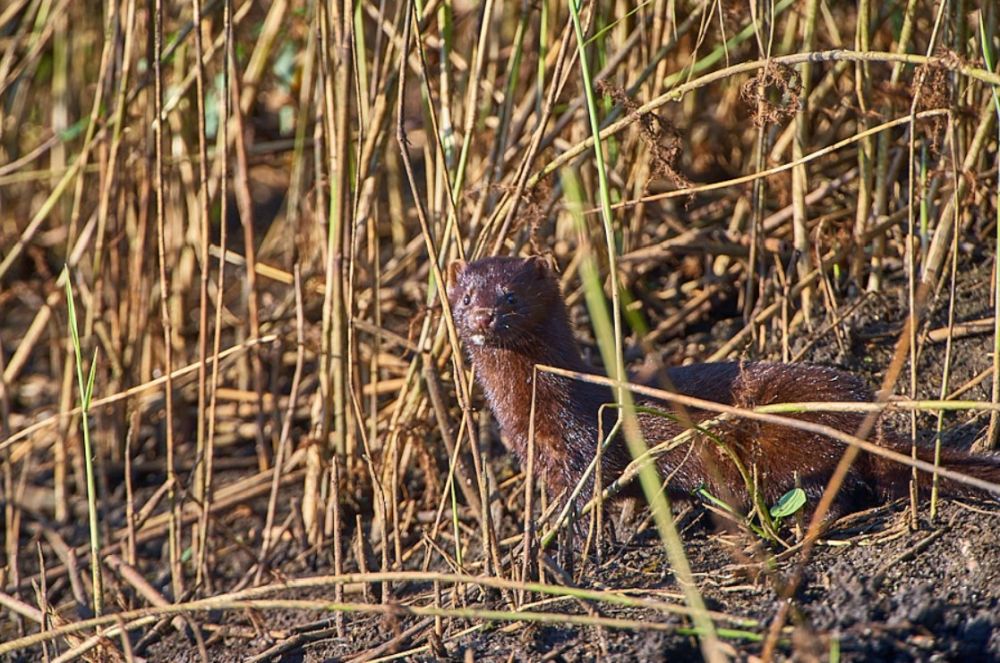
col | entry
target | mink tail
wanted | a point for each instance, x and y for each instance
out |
(894, 478)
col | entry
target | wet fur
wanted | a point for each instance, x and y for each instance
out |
(510, 315)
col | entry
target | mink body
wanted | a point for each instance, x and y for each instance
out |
(510, 315)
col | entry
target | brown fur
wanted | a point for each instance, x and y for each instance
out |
(510, 315)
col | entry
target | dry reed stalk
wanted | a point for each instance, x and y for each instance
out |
(395, 137)
(173, 542)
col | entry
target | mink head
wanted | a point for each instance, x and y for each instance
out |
(504, 302)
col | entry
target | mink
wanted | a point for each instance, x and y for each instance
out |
(510, 315)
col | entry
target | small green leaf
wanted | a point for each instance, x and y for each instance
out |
(611, 25)
(709, 497)
(988, 58)
(90, 382)
(789, 503)
(984, 38)
(74, 130)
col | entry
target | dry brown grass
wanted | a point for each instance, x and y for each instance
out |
(256, 273)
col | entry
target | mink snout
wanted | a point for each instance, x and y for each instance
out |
(482, 319)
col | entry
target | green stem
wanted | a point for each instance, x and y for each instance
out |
(86, 392)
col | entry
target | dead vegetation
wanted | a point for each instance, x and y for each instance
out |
(252, 204)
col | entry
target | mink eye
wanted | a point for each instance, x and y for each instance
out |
(466, 299)
(510, 299)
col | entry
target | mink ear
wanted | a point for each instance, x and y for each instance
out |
(455, 269)
(544, 265)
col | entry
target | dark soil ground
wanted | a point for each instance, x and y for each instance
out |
(875, 589)
(877, 592)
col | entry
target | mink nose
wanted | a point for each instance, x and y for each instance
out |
(481, 319)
